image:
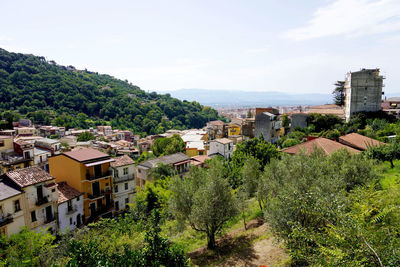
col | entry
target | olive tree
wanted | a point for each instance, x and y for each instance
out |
(204, 200)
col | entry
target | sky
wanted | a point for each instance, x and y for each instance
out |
(250, 45)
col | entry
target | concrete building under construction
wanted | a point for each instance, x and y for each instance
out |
(363, 91)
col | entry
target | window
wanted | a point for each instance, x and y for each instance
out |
(116, 174)
(69, 203)
(126, 171)
(116, 189)
(116, 205)
(126, 186)
(33, 216)
(53, 190)
(17, 206)
(126, 200)
(139, 171)
(78, 197)
(1, 143)
(70, 221)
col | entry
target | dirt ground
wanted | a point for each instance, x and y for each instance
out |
(254, 247)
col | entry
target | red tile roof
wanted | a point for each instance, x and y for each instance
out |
(29, 176)
(83, 154)
(328, 146)
(201, 158)
(216, 123)
(65, 192)
(359, 141)
(122, 161)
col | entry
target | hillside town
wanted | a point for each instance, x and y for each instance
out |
(50, 180)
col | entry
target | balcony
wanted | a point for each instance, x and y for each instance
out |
(123, 179)
(6, 220)
(98, 176)
(41, 201)
(72, 209)
(97, 195)
(102, 211)
(49, 219)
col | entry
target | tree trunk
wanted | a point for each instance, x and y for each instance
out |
(210, 241)
(391, 164)
(244, 220)
(259, 203)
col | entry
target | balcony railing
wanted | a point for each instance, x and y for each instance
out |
(6, 219)
(103, 209)
(96, 195)
(123, 179)
(41, 201)
(49, 219)
(72, 209)
(98, 176)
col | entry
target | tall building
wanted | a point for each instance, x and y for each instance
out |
(88, 171)
(363, 91)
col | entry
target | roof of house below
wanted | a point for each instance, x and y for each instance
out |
(169, 159)
(359, 141)
(29, 176)
(122, 161)
(84, 154)
(326, 145)
(66, 192)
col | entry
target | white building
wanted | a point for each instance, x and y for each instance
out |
(50, 144)
(70, 207)
(40, 158)
(123, 169)
(11, 209)
(40, 196)
(221, 146)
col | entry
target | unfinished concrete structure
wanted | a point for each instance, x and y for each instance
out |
(269, 126)
(363, 91)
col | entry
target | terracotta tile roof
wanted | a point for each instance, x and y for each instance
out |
(84, 153)
(328, 146)
(200, 158)
(167, 160)
(326, 106)
(29, 176)
(66, 192)
(122, 161)
(216, 123)
(359, 141)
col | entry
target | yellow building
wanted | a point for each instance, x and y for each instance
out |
(234, 129)
(6, 144)
(88, 171)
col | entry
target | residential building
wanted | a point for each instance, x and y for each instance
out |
(327, 146)
(391, 106)
(215, 129)
(180, 162)
(363, 91)
(195, 141)
(269, 126)
(20, 157)
(200, 161)
(53, 145)
(124, 187)
(47, 131)
(40, 158)
(328, 109)
(298, 120)
(234, 129)
(88, 171)
(11, 208)
(221, 146)
(248, 128)
(25, 131)
(358, 141)
(6, 144)
(40, 196)
(105, 130)
(70, 207)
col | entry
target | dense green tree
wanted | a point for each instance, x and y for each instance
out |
(167, 146)
(85, 136)
(204, 200)
(50, 93)
(388, 152)
(339, 93)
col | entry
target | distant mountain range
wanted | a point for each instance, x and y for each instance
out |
(246, 99)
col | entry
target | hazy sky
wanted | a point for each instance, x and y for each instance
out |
(276, 45)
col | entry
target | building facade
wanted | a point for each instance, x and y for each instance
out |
(88, 171)
(70, 207)
(363, 91)
(124, 187)
(221, 146)
(11, 209)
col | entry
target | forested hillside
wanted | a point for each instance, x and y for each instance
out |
(47, 92)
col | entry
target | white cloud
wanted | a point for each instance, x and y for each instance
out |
(350, 18)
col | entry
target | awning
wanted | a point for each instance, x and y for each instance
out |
(99, 162)
(182, 162)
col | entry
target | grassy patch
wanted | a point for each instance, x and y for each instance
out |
(390, 176)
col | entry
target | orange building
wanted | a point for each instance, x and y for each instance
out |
(88, 171)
